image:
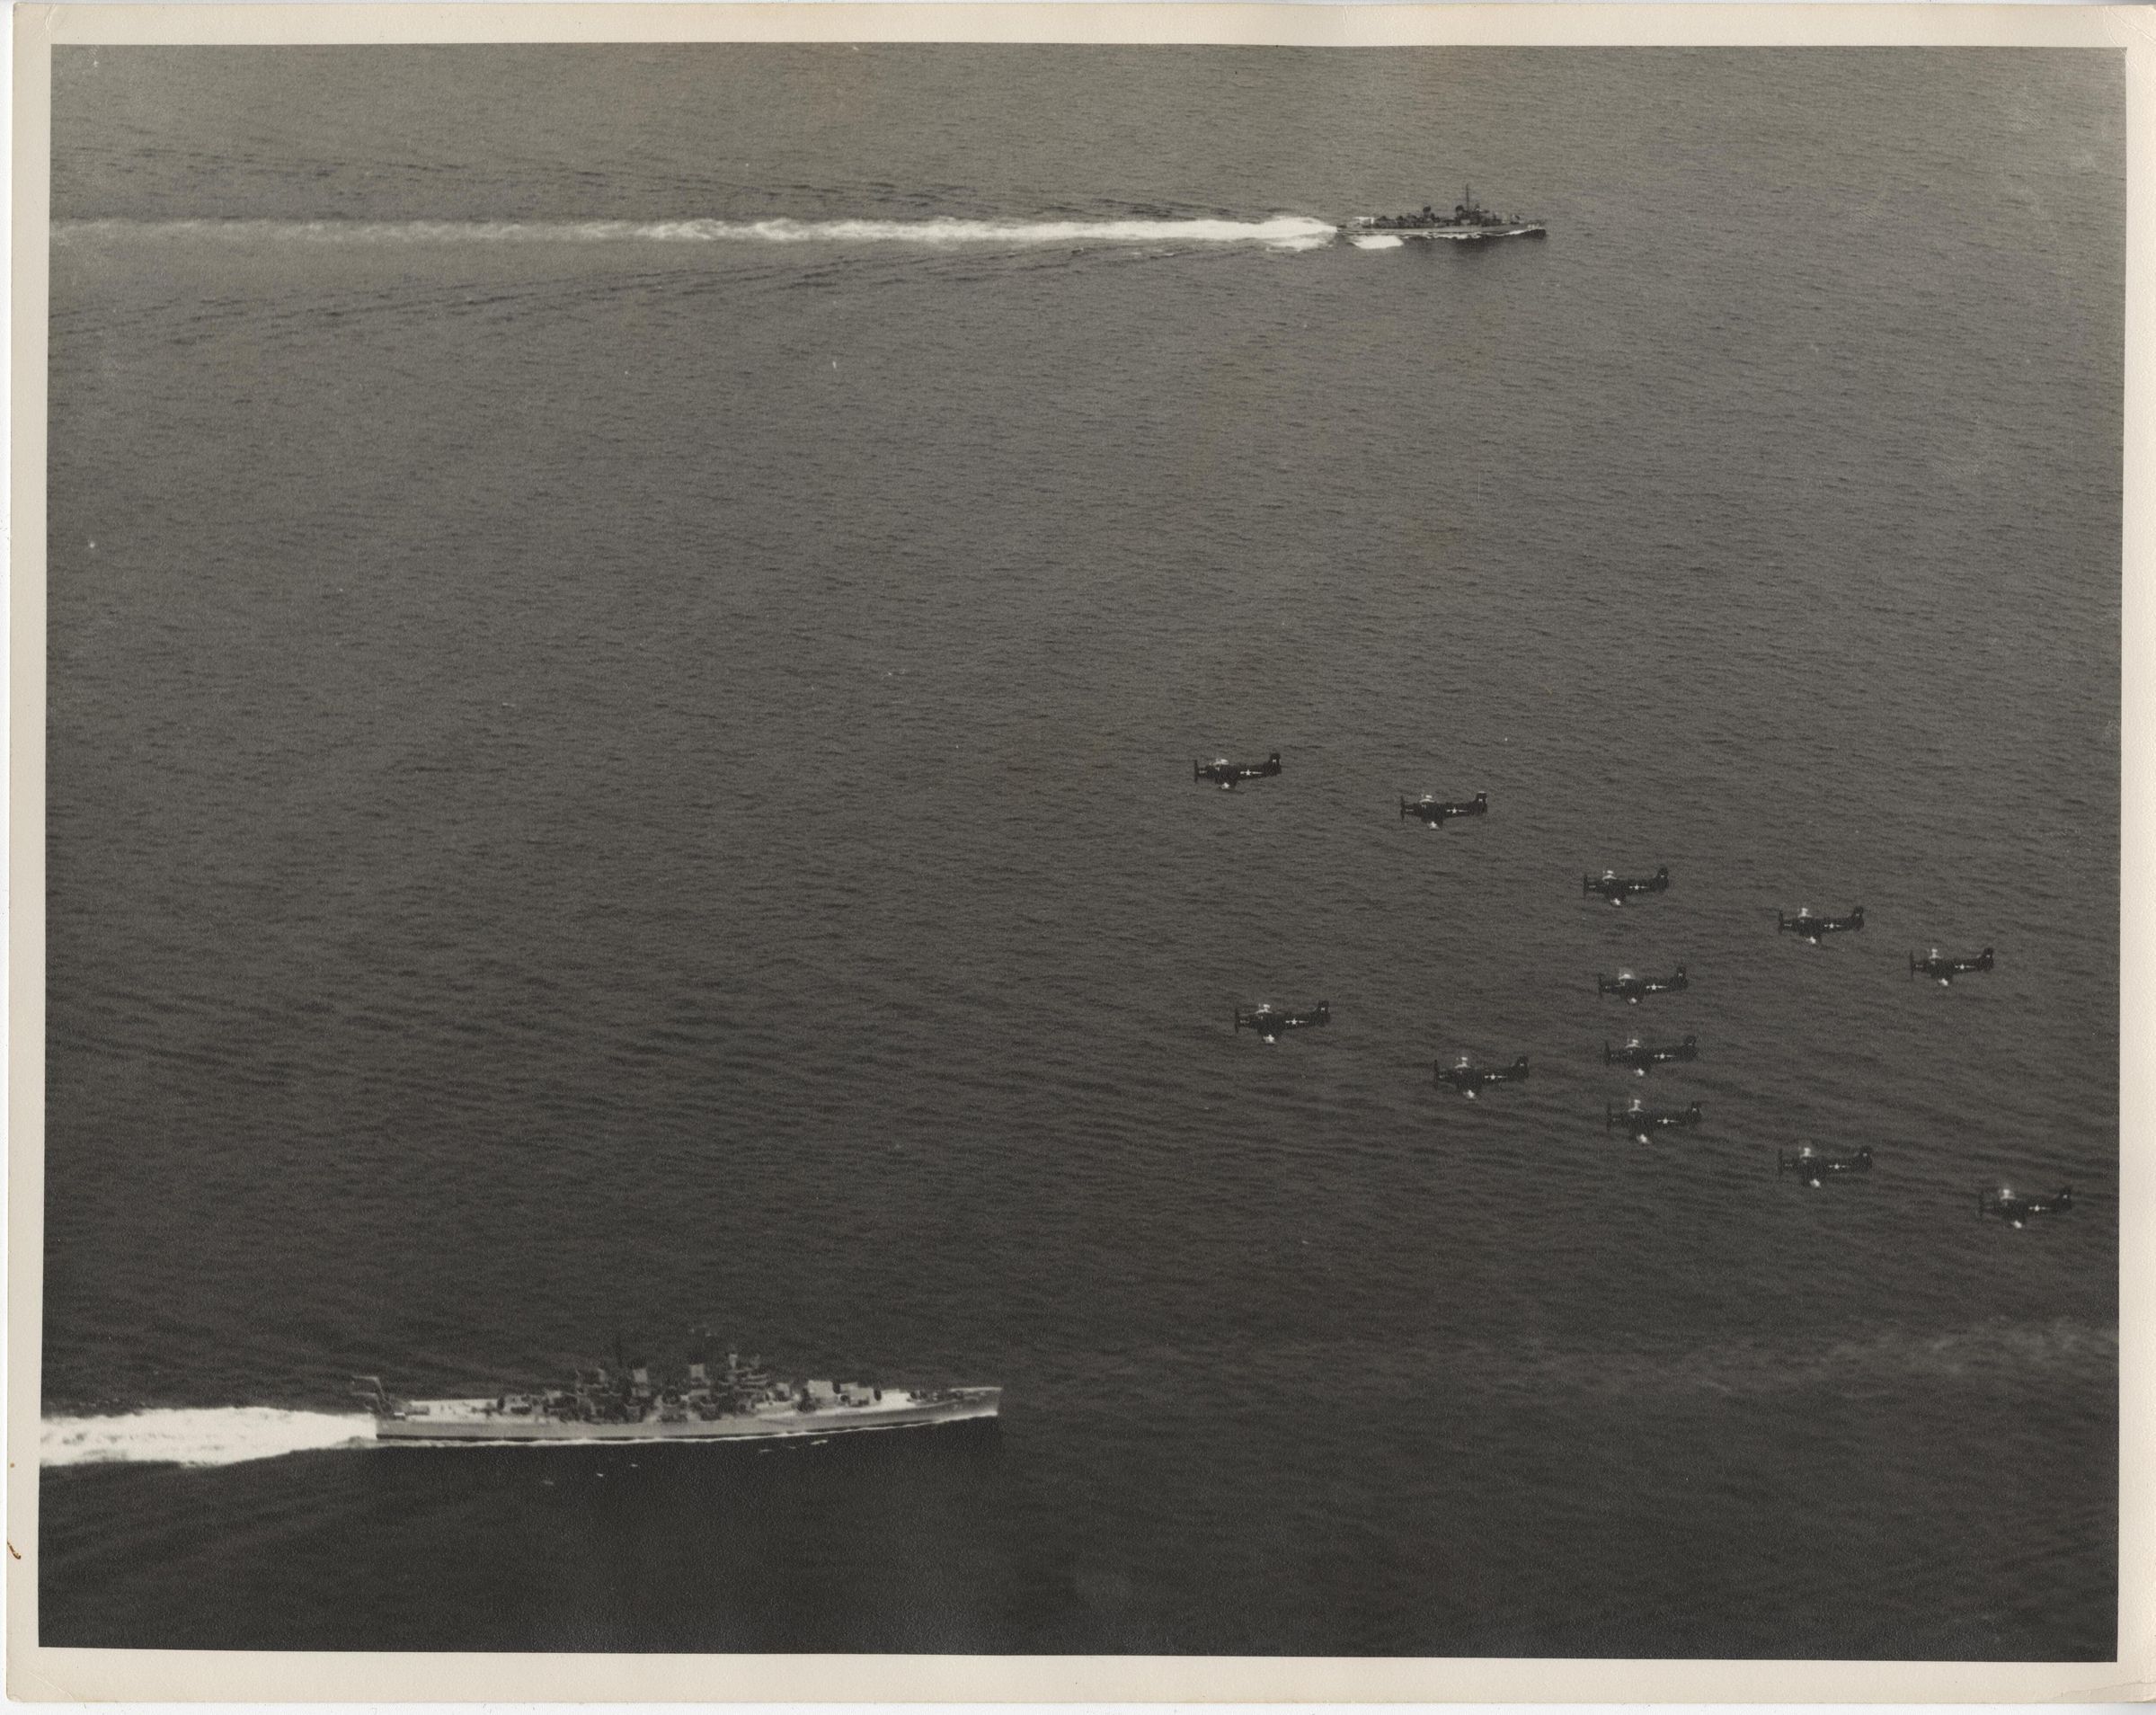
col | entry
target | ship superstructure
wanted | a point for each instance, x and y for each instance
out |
(738, 1401)
(1468, 221)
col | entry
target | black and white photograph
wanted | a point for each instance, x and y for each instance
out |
(1004, 848)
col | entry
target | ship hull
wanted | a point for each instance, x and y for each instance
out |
(1452, 235)
(1489, 233)
(466, 1422)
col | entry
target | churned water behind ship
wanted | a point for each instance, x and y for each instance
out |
(617, 766)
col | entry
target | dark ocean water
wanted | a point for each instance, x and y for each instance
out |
(613, 769)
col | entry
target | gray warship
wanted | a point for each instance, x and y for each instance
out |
(738, 1401)
(1469, 222)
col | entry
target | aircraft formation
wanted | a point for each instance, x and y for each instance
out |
(1810, 1166)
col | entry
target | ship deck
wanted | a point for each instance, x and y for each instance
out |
(440, 1421)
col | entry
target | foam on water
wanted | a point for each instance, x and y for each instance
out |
(211, 1436)
(1886, 1360)
(1284, 232)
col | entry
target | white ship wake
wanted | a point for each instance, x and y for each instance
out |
(198, 1436)
(1278, 232)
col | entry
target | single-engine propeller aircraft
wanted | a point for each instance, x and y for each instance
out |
(1809, 925)
(1225, 774)
(1936, 964)
(1471, 1079)
(2013, 1208)
(1643, 1059)
(1811, 1165)
(1641, 1122)
(1616, 888)
(1633, 987)
(1434, 812)
(1269, 1020)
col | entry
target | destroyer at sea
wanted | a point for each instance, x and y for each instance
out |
(741, 1402)
(1469, 222)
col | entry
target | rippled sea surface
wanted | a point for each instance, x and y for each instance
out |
(627, 633)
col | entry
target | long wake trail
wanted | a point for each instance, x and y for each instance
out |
(207, 1435)
(1277, 232)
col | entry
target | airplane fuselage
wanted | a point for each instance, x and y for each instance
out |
(1807, 926)
(1468, 1080)
(1642, 1123)
(1633, 989)
(2015, 1210)
(1616, 889)
(1812, 1166)
(1643, 1059)
(1944, 970)
(1270, 1022)
(1227, 775)
(1435, 812)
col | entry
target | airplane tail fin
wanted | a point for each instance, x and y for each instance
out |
(1984, 959)
(1856, 918)
(1482, 801)
(1403, 807)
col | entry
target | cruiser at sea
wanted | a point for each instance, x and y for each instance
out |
(1469, 221)
(741, 1402)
